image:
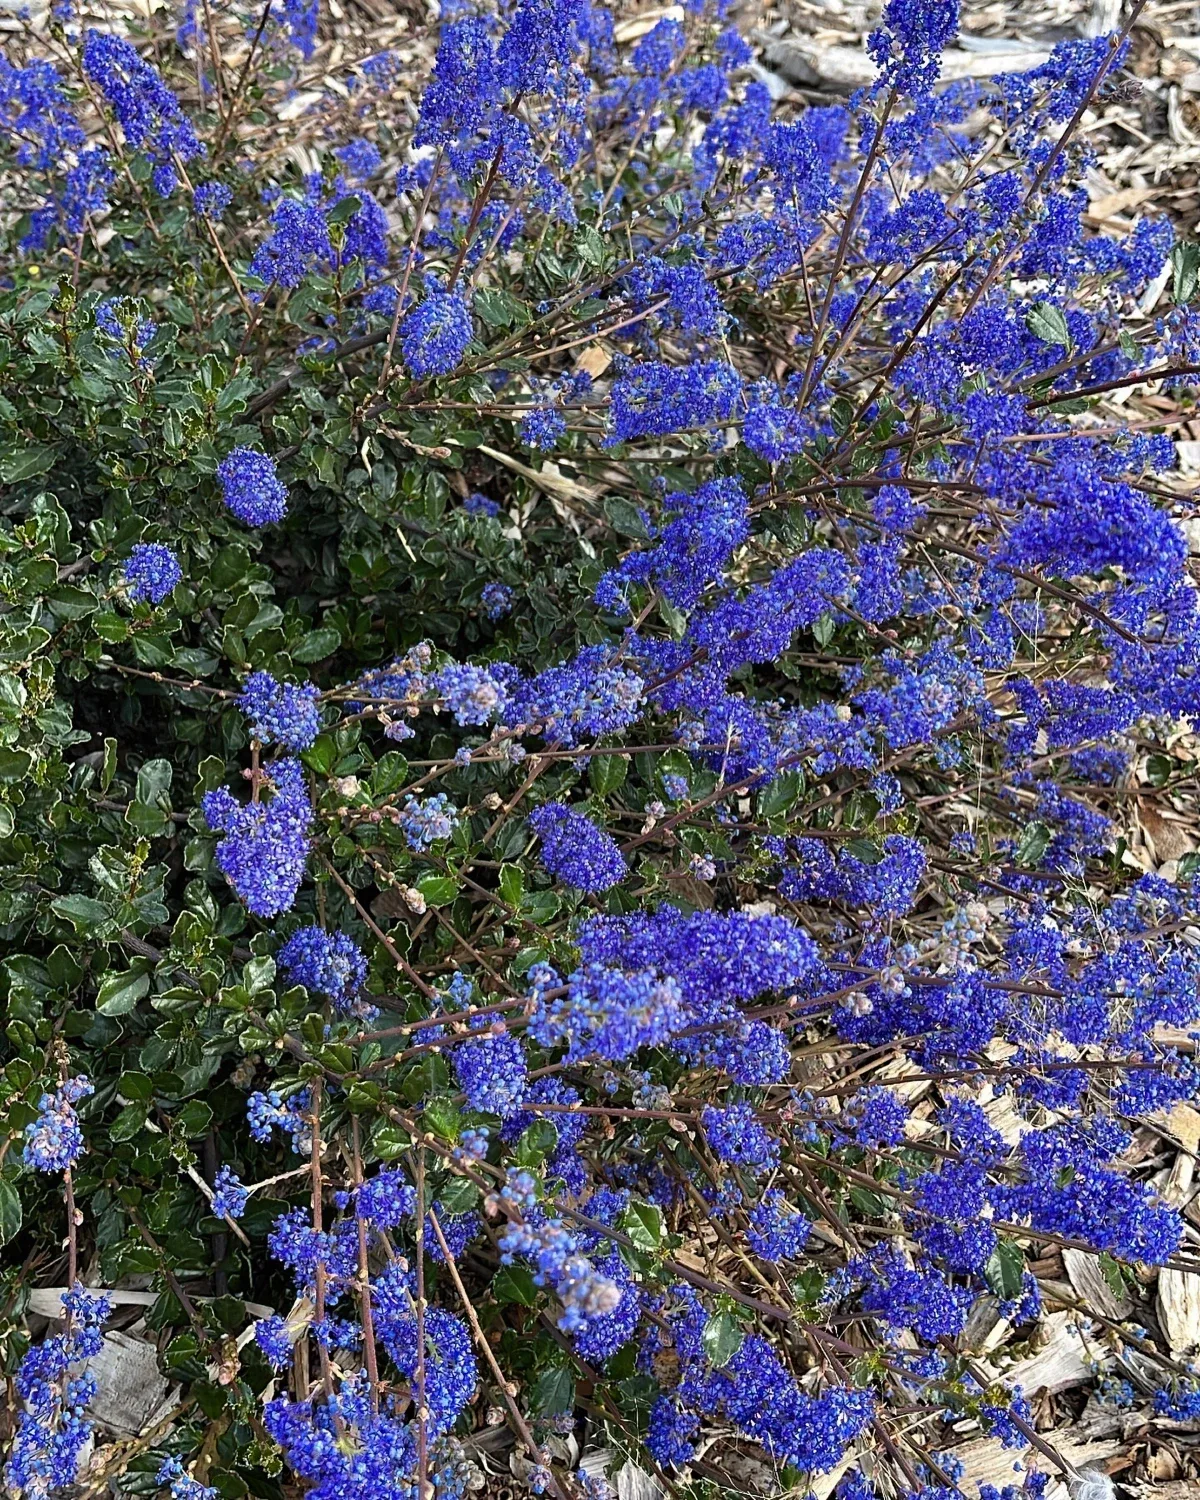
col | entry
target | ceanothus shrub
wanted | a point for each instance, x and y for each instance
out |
(541, 661)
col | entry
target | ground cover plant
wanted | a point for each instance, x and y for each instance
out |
(558, 632)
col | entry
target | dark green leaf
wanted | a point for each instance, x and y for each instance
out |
(26, 462)
(1034, 842)
(128, 1122)
(625, 518)
(195, 1118)
(782, 794)
(1005, 1269)
(459, 1196)
(515, 1284)
(84, 913)
(643, 1223)
(722, 1338)
(512, 884)
(437, 889)
(119, 993)
(442, 1117)
(1048, 323)
(1113, 1277)
(607, 773)
(536, 1143)
(1185, 269)
(390, 774)
(14, 765)
(317, 644)
(10, 1211)
(553, 1392)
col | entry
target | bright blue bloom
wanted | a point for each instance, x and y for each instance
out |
(181, 1484)
(53, 1429)
(229, 1196)
(271, 1336)
(466, 83)
(35, 114)
(692, 550)
(268, 1112)
(325, 963)
(491, 1070)
(737, 1137)
(451, 1374)
(581, 699)
(299, 241)
(211, 199)
(279, 712)
(118, 318)
(145, 108)
(909, 45)
(610, 1014)
(54, 1141)
(301, 18)
(435, 334)
(575, 850)
(777, 1231)
(497, 600)
(479, 505)
(652, 400)
(151, 572)
(543, 428)
(428, 821)
(251, 488)
(587, 1293)
(472, 694)
(360, 158)
(264, 850)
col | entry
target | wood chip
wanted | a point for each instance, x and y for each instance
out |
(1091, 1286)
(987, 1461)
(1112, 204)
(1064, 1361)
(129, 1388)
(1182, 1123)
(806, 62)
(1179, 1308)
(595, 359)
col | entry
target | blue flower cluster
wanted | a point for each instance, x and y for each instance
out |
(473, 695)
(280, 713)
(229, 1195)
(54, 1141)
(181, 1485)
(326, 963)
(590, 1295)
(497, 600)
(328, 229)
(53, 1429)
(151, 572)
(428, 821)
(145, 108)
(736, 1136)
(754, 1392)
(435, 334)
(491, 1070)
(211, 199)
(251, 488)
(268, 1112)
(264, 851)
(575, 850)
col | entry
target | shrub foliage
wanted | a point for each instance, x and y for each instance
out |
(574, 646)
